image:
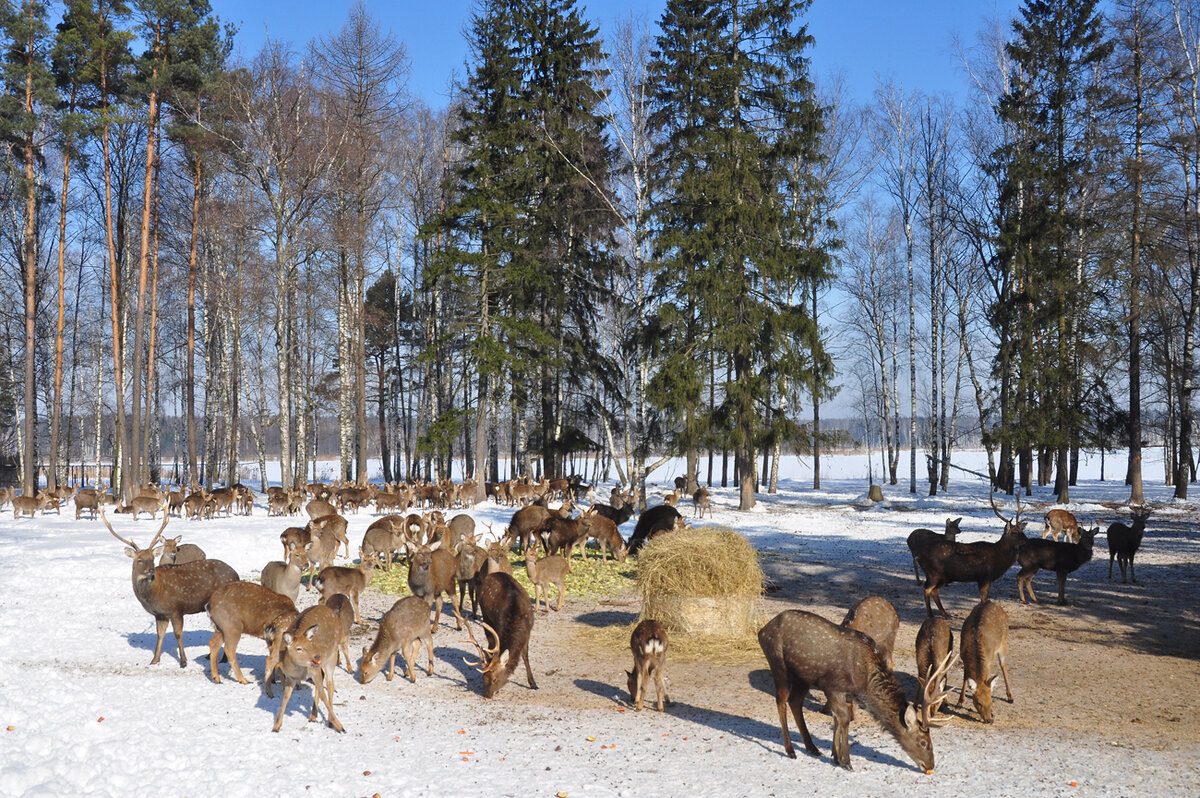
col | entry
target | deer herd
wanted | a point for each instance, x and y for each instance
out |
(851, 662)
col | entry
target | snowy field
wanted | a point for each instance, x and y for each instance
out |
(82, 712)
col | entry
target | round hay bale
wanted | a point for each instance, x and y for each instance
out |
(705, 581)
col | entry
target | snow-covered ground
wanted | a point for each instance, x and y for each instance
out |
(82, 712)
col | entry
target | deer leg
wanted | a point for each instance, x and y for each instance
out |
(782, 692)
(231, 644)
(916, 571)
(318, 678)
(660, 688)
(840, 708)
(458, 619)
(160, 625)
(411, 650)
(561, 590)
(984, 589)
(214, 645)
(1132, 578)
(428, 650)
(391, 666)
(1062, 588)
(287, 695)
(177, 628)
(1000, 656)
(1111, 556)
(796, 702)
(528, 670)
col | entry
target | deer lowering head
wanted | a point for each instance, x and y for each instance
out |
(805, 651)
(508, 618)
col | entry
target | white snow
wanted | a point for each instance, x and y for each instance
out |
(82, 712)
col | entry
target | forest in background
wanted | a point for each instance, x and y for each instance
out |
(670, 241)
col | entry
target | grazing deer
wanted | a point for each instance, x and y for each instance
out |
(649, 645)
(984, 639)
(171, 591)
(1123, 542)
(982, 563)
(331, 525)
(1060, 522)
(432, 572)
(242, 608)
(87, 499)
(806, 651)
(921, 540)
(176, 553)
(308, 650)
(383, 537)
(875, 617)
(701, 503)
(562, 535)
(403, 629)
(551, 570)
(935, 641)
(1062, 558)
(507, 616)
(350, 582)
(320, 550)
(655, 520)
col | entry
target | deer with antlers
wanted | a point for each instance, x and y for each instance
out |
(805, 651)
(508, 617)
(169, 592)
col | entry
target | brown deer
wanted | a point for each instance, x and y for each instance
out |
(1123, 542)
(875, 617)
(604, 531)
(294, 537)
(672, 498)
(1060, 522)
(528, 520)
(403, 629)
(649, 645)
(351, 582)
(551, 570)
(984, 638)
(284, 577)
(432, 572)
(806, 651)
(171, 591)
(321, 549)
(176, 553)
(25, 505)
(653, 521)
(340, 604)
(982, 563)
(921, 540)
(701, 503)
(935, 641)
(242, 608)
(561, 535)
(308, 650)
(332, 524)
(87, 499)
(383, 537)
(507, 616)
(1062, 558)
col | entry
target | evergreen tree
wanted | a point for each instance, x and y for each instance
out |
(1044, 226)
(732, 87)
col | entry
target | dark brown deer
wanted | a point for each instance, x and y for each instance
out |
(655, 520)
(308, 650)
(431, 573)
(528, 520)
(806, 651)
(1060, 522)
(403, 629)
(171, 591)
(920, 540)
(507, 616)
(618, 515)
(1123, 542)
(1050, 555)
(649, 645)
(984, 639)
(350, 582)
(242, 608)
(561, 535)
(875, 617)
(982, 563)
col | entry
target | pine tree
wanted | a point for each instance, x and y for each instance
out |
(1043, 222)
(732, 88)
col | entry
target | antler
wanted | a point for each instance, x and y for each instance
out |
(126, 541)
(492, 654)
(166, 518)
(934, 695)
(992, 501)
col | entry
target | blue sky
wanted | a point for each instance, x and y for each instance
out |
(905, 40)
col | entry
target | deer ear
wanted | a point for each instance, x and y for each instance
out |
(130, 552)
(972, 684)
(311, 632)
(991, 680)
(910, 716)
(158, 549)
(288, 638)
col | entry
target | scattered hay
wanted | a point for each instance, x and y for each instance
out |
(587, 578)
(705, 581)
(715, 649)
